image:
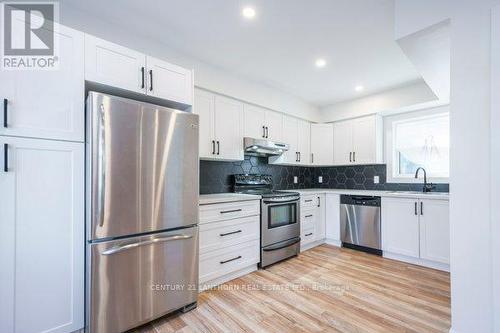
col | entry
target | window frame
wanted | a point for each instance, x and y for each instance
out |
(389, 144)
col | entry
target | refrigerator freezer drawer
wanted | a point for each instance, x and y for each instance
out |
(135, 280)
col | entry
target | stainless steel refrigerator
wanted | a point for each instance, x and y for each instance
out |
(142, 212)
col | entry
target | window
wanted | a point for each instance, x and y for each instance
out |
(418, 139)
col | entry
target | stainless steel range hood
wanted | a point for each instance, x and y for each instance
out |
(263, 147)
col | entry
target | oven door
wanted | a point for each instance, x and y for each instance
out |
(280, 220)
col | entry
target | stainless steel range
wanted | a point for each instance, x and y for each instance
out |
(280, 217)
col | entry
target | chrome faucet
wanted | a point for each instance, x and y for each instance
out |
(427, 187)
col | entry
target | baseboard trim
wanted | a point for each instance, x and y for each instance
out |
(225, 278)
(417, 261)
(333, 242)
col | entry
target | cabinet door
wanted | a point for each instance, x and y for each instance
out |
(254, 119)
(435, 230)
(342, 143)
(229, 128)
(204, 103)
(169, 81)
(42, 236)
(332, 217)
(320, 217)
(400, 226)
(321, 144)
(274, 124)
(47, 104)
(364, 142)
(304, 142)
(290, 128)
(114, 65)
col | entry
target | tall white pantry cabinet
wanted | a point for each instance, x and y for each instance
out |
(42, 194)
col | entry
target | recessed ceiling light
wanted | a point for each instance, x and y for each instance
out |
(320, 62)
(359, 88)
(248, 12)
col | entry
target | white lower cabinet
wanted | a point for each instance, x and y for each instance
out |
(41, 235)
(229, 241)
(332, 219)
(416, 231)
(312, 220)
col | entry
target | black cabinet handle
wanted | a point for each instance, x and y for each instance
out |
(218, 147)
(354, 156)
(312, 157)
(264, 132)
(230, 233)
(229, 260)
(230, 211)
(5, 157)
(319, 202)
(299, 157)
(416, 208)
(310, 215)
(309, 234)
(5, 109)
(213, 147)
(143, 83)
(267, 132)
(350, 156)
(421, 208)
(151, 80)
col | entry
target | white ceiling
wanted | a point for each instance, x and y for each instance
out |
(280, 45)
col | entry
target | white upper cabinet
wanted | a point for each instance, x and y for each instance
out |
(228, 128)
(290, 136)
(47, 104)
(435, 230)
(42, 236)
(221, 126)
(261, 123)
(274, 126)
(322, 144)
(169, 81)
(117, 66)
(255, 120)
(400, 226)
(114, 65)
(342, 143)
(358, 141)
(366, 140)
(304, 142)
(204, 104)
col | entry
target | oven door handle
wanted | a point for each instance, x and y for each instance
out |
(281, 202)
(282, 246)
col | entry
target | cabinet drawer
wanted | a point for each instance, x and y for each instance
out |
(217, 235)
(224, 261)
(228, 210)
(308, 201)
(307, 235)
(307, 220)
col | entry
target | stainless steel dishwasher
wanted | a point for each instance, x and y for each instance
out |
(360, 226)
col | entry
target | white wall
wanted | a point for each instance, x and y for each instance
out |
(471, 204)
(206, 76)
(411, 97)
(495, 160)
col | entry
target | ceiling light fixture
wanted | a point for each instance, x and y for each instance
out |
(248, 12)
(359, 88)
(320, 62)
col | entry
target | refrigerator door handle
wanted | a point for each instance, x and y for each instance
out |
(102, 167)
(129, 246)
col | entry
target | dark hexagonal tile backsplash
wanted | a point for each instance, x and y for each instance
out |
(215, 176)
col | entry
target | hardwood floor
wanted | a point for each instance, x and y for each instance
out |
(325, 289)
